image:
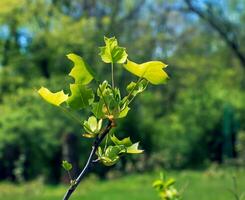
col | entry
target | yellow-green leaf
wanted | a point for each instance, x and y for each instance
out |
(81, 96)
(126, 141)
(134, 149)
(151, 71)
(80, 72)
(111, 52)
(53, 98)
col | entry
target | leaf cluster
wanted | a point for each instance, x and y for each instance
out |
(166, 189)
(106, 103)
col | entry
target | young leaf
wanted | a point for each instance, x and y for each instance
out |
(158, 184)
(126, 141)
(53, 98)
(110, 156)
(133, 149)
(98, 109)
(102, 88)
(151, 71)
(169, 182)
(80, 72)
(92, 122)
(135, 89)
(124, 112)
(81, 97)
(111, 52)
(66, 165)
(92, 127)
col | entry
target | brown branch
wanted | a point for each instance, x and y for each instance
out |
(87, 166)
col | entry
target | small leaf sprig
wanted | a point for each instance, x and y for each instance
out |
(106, 103)
(166, 189)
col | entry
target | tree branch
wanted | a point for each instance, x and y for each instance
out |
(87, 166)
(223, 32)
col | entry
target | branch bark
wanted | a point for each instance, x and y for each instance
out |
(89, 162)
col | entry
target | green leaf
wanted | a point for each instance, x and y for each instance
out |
(124, 112)
(169, 182)
(158, 184)
(81, 97)
(66, 165)
(110, 156)
(102, 89)
(133, 149)
(99, 109)
(92, 122)
(151, 71)
(92, 127)
(111, 52)
(135, 89)
(53, 98)
(126, 141)
(80, 72)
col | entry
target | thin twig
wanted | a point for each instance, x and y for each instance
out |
(87, 166)
(70, 114)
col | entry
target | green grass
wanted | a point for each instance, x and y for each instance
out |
(197, 185)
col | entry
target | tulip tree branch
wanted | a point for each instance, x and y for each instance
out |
(87, 166)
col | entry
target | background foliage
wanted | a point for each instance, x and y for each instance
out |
(190, 122)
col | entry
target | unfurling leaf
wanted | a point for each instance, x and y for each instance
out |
(126, 141)
(166, 189)
(53, 98)
(151, 71)
(66, 165)
(102, 89)
(80, 72)
(98, 109)
(133, 149)
(81, 97)
(111, 52)
(92, 127)
(110, 156)
(126, 145)
(136, 88)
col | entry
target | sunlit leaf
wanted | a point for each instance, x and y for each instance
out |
(124, 112)
(111, 52)
(110, 156)
(53, 98)
(92, 127)
(80, 72)
(133, 149)
(126, 141)
(151, 71)
(158, 184)
(81, 97)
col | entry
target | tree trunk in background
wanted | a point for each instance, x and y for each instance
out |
(69, 153)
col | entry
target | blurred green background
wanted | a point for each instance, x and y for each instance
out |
(195, 120)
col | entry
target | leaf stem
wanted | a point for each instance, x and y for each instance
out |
(131, 91)
(112, 75)
(70, 114)
(87, 166)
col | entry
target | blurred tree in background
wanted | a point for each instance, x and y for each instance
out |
(190, 122)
